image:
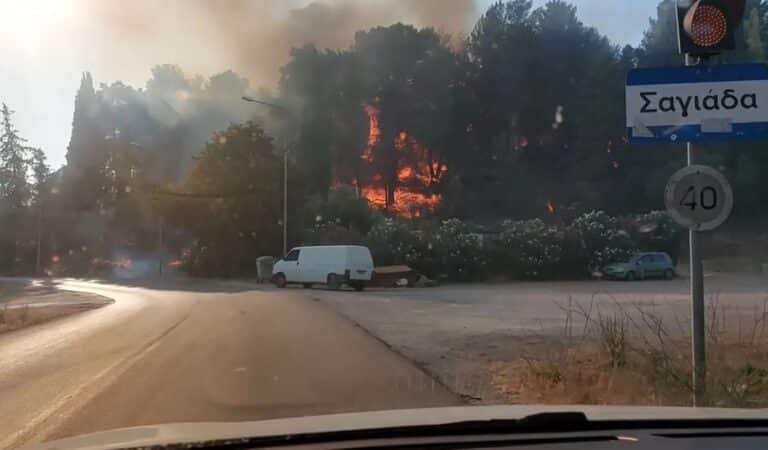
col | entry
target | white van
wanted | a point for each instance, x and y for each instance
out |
(332, 265)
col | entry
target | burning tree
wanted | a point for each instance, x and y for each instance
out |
(378, 112)
(404, 180)
(408, 115)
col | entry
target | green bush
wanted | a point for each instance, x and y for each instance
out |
(452, 251)
(342, 207)
(656, 231)
(602, 240)
(530, 249)
(395, 241)
(459, 249)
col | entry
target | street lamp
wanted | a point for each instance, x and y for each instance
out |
(285, 169)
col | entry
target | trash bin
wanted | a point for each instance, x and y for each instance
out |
(264, 265)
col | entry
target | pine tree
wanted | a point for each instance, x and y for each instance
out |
(40, 174)
(14, 188)
(753, 32)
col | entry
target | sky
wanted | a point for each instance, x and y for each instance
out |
(46, 45)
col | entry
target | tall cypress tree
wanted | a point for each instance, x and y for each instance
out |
(86, 154)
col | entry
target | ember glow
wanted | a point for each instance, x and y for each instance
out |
(374, 132)
(416, 173)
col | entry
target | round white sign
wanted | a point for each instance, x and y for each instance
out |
(699, 198)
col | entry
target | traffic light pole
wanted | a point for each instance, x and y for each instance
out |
(699, 373)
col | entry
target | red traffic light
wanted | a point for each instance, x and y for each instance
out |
(706, 27)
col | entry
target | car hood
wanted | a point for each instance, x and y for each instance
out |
(621, 266)
(181, 433)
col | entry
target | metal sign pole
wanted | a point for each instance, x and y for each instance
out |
(698, 337)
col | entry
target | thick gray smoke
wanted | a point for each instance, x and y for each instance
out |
(252, 37)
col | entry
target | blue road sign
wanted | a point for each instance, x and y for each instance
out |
(697, 103)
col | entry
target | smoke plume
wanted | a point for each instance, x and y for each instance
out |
(251, 37)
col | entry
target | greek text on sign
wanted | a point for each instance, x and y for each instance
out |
(697, 103)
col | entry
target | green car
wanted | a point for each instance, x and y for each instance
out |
(642, 266)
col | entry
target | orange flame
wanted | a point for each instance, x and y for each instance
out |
(550, 207)
(413, 178)
(374, 132)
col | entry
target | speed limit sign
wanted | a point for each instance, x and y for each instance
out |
(699, 198)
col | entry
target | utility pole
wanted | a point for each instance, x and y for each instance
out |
(698, 337)
(285, 201)
(39, 237)
(160, 246)
(283, 110)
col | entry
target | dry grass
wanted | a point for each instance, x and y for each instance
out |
(629, 355)
(25, 316)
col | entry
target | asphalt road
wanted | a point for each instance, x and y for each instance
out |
(200, 352)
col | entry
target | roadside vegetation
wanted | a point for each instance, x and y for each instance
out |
(616, 354)
(521, 250)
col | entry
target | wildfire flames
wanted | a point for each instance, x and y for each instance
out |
(416, 173)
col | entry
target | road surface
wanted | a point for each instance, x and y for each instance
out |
(202, 352)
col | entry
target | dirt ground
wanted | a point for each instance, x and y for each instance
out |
(464, 334)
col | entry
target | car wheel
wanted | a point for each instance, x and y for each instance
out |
(630, 276)
(334, 283)
(307, 285)
(669, 274)
(279, 280)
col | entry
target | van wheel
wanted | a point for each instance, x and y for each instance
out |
(279, 280)
(334, 282)
(307, 285)
(358, 286)
(669, 274)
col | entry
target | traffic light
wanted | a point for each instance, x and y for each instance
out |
(708, 27)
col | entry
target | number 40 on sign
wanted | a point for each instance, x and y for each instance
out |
(699, 197)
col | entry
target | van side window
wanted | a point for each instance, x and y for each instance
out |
(293, 255)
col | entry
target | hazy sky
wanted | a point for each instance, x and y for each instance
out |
(47, 44)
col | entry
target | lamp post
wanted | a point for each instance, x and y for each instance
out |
(285, 169)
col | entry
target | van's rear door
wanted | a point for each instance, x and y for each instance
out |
(359, 263)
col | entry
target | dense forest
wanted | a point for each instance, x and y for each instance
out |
(522, 119)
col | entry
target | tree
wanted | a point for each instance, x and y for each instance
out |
(753, 29)
(237, 179)
(409, 84)
(14, 187)
(86, 157)
(659, 44)
(41, 173)
(309, 89)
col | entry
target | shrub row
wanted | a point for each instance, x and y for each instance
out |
(530, 249)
